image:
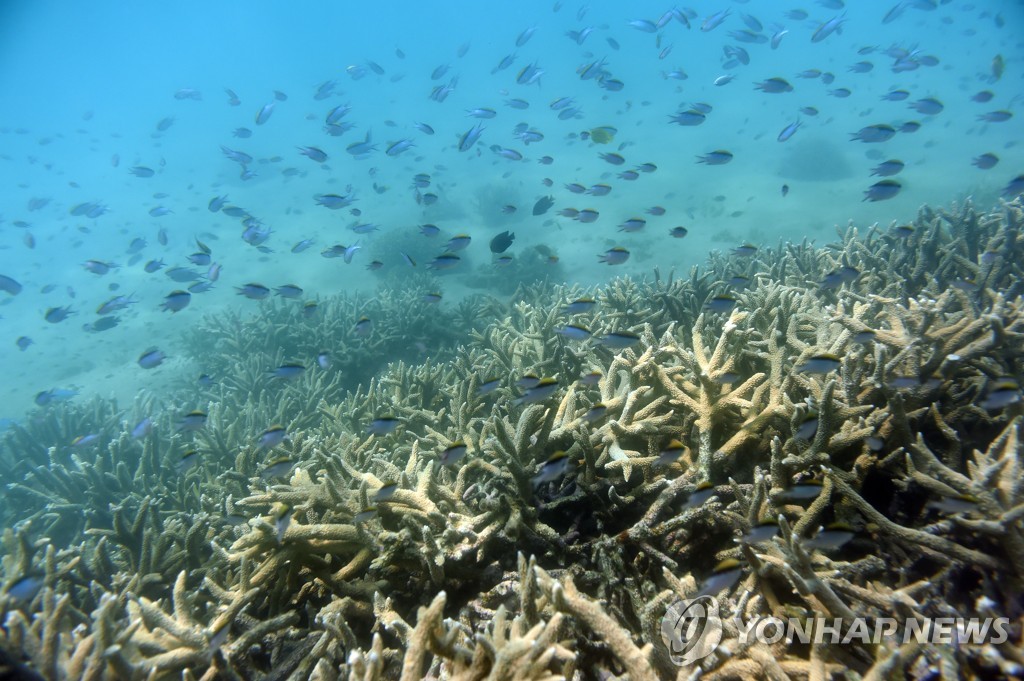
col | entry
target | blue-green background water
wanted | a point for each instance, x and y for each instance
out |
(85, 83)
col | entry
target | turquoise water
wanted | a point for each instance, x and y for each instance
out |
(289, 486)
(86, 85)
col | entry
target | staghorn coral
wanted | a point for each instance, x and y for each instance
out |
(143, 563)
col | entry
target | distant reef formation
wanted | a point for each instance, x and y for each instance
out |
(479, 491)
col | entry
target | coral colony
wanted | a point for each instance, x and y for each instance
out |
(492, 491)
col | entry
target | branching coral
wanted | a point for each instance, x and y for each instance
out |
(386, 552)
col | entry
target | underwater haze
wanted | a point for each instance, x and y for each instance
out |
(93, 91)
(466, 340)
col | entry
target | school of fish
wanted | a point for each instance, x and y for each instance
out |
(193, 238)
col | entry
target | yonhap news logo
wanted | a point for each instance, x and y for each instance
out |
(691, 630)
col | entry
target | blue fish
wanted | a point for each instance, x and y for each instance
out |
(574, 332)
(995, 117)
(833, 25)
(633, 225)
(722, 303)
(55, 315)
(9, 285)
(142, 428)
(313, 153)
(788, 131)
(1013, 188)
(288, 372)
(554, 468)
(715, 158)
(216, 203)
(56, 395)
(614, 256)
(888, 168)
(288, 291)
(579, 306)
(361, 150)
(895, 95)
(332, 201)
(882, 191)
(715, 20)
(272, 437)
(263, 115)
(774, 85)
(505, 62)
(25, 589)
(1002, 393)
(928, 106)
(383, 425)
(985, 161)
(880, 132)
(151, 358)
(619, 340)
(819, 364)
(724, 576)
(192, 421)
(762, 532)
(470, 137)
(831, 538)
(398, 147)
(538, 392)
(688, 118)
(253, 291)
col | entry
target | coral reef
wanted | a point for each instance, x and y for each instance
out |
(488, 532)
